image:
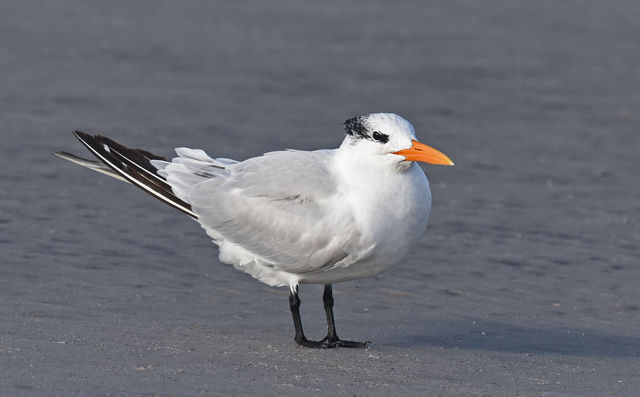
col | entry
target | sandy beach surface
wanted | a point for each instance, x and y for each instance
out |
(526, 283)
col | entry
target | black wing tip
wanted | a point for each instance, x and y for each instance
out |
(134, 165)
(79, 134)
(93, 137)
(102, 140)
(86, 139)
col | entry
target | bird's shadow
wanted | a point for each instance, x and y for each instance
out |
(517, 339)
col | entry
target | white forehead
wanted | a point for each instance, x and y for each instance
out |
(389, 123)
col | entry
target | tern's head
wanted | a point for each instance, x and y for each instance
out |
(390, 134)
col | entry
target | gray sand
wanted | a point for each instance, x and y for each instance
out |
(525, 284)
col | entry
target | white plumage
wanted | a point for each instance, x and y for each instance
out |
(313, 217)
(292, 217)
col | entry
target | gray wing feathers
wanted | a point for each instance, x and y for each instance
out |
(191, 167)
(276, 206)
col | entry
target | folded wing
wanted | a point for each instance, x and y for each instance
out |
(282, 209)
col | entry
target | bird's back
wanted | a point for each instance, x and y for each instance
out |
(278, 217)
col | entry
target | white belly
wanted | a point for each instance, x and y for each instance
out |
(392, 211)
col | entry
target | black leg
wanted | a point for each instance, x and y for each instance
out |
(327, 299)
(332, 338)
(294, 304)
(329, 341)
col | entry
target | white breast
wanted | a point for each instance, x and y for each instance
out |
(392, 211)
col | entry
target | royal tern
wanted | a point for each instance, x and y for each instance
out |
(293, 217)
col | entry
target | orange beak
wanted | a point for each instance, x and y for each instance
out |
(421, 152)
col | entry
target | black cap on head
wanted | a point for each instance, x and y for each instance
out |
(356, 127)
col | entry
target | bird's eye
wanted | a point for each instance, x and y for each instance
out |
(380, 137)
